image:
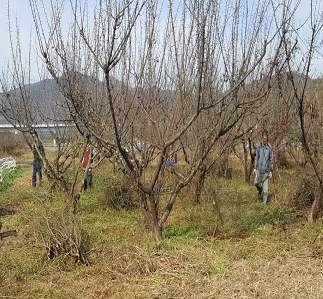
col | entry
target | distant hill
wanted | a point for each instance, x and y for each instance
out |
(47, 88)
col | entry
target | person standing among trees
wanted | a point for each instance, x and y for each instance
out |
(263, 166)
(88, 156)
(37, 169)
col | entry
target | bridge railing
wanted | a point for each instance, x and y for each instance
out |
(7, 163)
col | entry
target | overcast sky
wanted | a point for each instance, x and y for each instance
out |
(20, 9)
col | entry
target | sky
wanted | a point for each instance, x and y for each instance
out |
(20, 9)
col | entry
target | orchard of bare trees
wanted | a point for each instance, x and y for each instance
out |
(148, 80)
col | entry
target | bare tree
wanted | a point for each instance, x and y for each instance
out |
(31, 108)
(150, 83)
(307, 99)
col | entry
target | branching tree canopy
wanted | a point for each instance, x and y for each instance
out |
(23, 105)
(151, 81)
(307, 104)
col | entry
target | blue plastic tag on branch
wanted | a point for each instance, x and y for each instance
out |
(168, 162)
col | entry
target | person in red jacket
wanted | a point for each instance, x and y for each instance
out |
(88, 158)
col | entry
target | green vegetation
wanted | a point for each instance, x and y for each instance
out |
(8, 178)
(228, 243)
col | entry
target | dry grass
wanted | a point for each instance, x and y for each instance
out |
(229, 246)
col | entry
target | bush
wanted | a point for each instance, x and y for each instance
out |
(11, 142)
(282, 159)
(66, 239)
(303, 194)
(120, 195)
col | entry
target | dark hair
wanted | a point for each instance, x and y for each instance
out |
(33, 132)
(88, 138)
(264, 133)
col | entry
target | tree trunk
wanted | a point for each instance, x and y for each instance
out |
(156, 228)
(252, 154)
(200, 183)
(157, 231)
(150, 210)
(316, 206)
(245, 163)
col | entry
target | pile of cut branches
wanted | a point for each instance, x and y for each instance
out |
(67, 240)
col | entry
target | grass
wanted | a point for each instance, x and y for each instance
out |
(9, 177)
(228, 246)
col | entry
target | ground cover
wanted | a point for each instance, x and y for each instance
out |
(228, 246)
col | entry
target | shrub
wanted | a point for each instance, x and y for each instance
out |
(120, 195)
(303, 194)
(66, 239)
(282, 159)
(11, 142)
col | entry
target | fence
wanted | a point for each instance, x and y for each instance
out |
(7, 163)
